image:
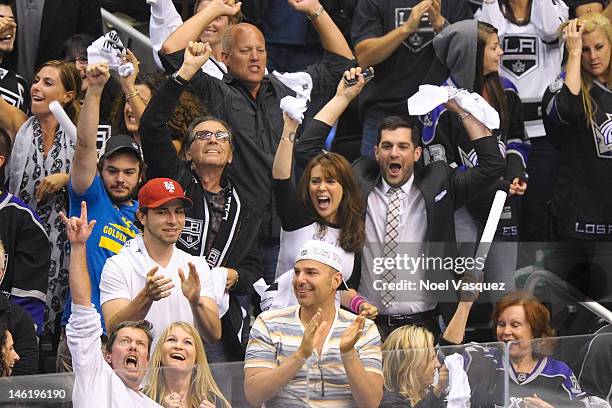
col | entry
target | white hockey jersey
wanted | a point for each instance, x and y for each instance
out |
(532, 53)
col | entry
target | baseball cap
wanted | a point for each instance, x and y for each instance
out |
(120, 142)
(159, 191)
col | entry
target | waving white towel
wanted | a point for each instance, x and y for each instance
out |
(294, 107)
(109, 49)
(430, 96)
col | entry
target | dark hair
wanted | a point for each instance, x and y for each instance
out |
(189, 107)
(397, 122)
(143, 325)
(508, 13)
(71, 80)
(3, 339)
(536, 315)
(350, 211)
(11, 4)
(491, 82)
(136, 222)
(5, 151)
(76, 46)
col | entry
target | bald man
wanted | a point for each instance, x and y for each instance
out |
(248, 99)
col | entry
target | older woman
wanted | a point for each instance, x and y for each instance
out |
(38, 173)
(536, 380)
(179, 376)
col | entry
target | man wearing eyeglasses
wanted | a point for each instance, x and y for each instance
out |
(314, 354)
(219, 227)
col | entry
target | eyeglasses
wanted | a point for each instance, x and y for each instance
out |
(220, 136)
(74, 59)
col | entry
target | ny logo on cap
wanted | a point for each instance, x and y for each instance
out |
(169, 186)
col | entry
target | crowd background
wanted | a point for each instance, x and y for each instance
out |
(188, 115)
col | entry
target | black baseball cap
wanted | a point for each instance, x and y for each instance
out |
(121, 142)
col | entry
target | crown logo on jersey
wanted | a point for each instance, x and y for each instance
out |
(603, 137)
(415, 40)
(518, 67)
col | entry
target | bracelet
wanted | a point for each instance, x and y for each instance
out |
(290, 137)
(356, 303)
(464, 115)
(316, 14)
(132, 94)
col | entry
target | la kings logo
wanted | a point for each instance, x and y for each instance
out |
(520, 54)
(191, 233)
(603, 137)
(422, 36)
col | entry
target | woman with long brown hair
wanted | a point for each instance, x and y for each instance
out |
(327, 205)
(38, 173)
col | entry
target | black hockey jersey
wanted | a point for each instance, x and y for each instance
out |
(582, 203)
(15, 90)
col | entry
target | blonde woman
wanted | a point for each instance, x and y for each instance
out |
(179, 376)
(409, 364)
(578, 108)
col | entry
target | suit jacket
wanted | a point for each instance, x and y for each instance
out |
(61, 20)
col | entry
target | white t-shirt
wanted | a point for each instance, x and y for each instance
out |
(124, 276)
(95, 382)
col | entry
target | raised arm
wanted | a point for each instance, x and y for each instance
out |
(79, 230)
(374, 50)
(313, 138)
(573, 44)
(281, 168)
(191, 29)
(331, 37)
(132, 96)
(84, 162)
(11, 118)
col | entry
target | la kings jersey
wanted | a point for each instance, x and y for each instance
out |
(582, 203)
(401, 73)
(14, 89)
(532, 53)
(445, 139)
(552, 380)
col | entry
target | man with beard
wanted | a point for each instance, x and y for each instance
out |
(108, 188)
(13, 88)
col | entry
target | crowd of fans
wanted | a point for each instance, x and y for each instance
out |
(153, 224)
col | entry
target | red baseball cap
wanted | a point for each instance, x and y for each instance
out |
(159, 191)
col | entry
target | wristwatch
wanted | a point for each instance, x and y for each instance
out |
(182, 81)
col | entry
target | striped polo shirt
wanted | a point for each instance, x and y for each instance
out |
(321, 381)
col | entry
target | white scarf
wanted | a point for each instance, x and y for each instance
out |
(24, 147)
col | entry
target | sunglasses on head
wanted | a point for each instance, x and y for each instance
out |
(220, 135)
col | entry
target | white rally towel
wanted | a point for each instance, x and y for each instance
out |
(458, 384)
(279, 294)
(294, 107)
(110, 50)
(430, 96)
(299, 82)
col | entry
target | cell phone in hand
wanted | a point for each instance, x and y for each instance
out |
(367, 75)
